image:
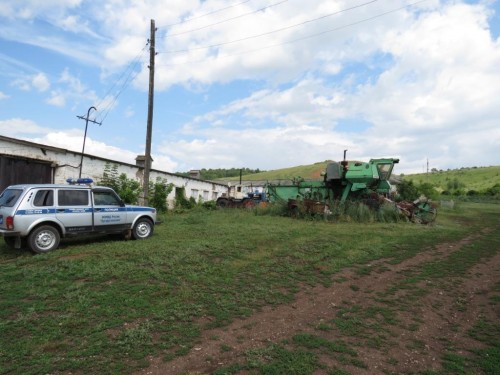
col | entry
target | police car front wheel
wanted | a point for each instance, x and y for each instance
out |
(142, 229)
(44, 239)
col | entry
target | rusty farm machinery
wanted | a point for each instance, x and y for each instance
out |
(350, 181)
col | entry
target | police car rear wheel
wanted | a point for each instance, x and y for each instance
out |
(142, 229)
(44, 239)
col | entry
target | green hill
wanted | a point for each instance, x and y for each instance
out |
(476, 178)
(312, 171)
(465, 179)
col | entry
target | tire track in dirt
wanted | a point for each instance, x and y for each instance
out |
(319, 303)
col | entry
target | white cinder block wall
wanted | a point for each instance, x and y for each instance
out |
(65, 164)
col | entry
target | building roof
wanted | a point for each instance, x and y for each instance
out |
(45, 148)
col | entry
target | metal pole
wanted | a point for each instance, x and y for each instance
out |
(85, 136)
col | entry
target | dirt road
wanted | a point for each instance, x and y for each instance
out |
(383, 318)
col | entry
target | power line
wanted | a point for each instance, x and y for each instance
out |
(132, 73)
(226, 20)
(270, 32)
(297, 39)
(204, 15)
(122, 74)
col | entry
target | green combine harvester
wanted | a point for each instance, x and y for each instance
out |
(349, 181)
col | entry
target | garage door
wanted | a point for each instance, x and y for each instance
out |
(23, 171)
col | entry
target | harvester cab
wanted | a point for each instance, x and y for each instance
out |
(355, 177)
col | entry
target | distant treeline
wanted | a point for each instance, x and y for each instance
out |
(213, 174)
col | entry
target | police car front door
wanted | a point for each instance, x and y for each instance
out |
(109, 211)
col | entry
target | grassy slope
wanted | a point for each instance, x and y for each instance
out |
(473, 178)
(305, 171)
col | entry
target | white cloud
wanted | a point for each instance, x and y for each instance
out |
(435, 100)
(70, 87)
(40, 82)
(20, 127)
(57, 99)
(70, 139)
(3, 96)
(424, 79)
(29, 9)
(74, 141)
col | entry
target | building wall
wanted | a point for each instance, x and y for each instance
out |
(66, 164)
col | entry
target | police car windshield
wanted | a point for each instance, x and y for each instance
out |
(9, 197)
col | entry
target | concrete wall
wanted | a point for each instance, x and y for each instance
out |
(66, 164)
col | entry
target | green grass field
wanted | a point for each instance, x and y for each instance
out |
(103, 306)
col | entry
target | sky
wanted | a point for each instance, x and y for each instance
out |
(265, 84)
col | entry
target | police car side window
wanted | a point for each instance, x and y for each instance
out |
(105, 198)
(44, 198)
(73, 197)
(9, 197)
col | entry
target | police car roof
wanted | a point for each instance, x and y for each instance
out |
(63, 186)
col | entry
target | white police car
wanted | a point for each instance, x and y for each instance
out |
(40, 215)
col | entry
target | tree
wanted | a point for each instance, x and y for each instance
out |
(110, 176)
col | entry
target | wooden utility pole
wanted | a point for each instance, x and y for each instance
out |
(147, 161)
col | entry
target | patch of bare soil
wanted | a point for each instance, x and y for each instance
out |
(429, 319)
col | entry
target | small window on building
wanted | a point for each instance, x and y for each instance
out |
(44, 198)
(73, 197)
(205, 195)
(194, 193)
(214, 195)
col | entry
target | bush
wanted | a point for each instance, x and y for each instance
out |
(493, 191)
(181, 202)
(428, 190)
(209, 205)
(129, 190)
(158, 193)
(407, 191)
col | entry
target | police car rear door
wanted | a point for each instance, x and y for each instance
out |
(73, 209)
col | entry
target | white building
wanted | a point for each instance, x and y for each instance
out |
(27, 162)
